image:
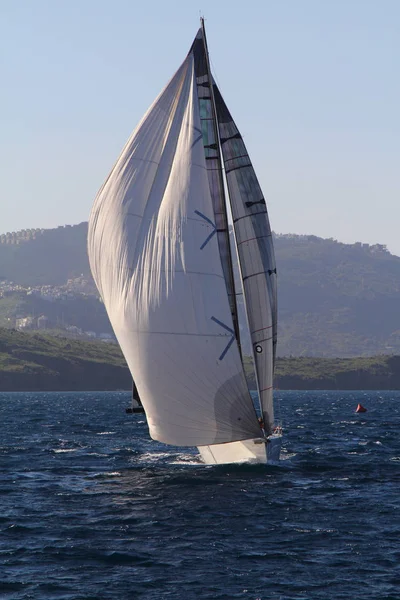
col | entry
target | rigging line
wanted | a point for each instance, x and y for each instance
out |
(214, 77)
(262, 329)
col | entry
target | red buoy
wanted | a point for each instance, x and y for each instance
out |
(361, 408)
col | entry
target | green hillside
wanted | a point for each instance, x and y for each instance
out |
(366, 373)
(334, 299)
(37, 362)
(33, 362)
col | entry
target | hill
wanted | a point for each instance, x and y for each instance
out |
(78, 311)
(334, 299)
(366, 373)
(37, 362)
(337, 299)
(44, 256)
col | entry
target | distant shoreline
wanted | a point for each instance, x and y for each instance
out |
(33, 362)
(362, 373)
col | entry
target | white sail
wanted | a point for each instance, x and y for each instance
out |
(256, 254)
(154, 256)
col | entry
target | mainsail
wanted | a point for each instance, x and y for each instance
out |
(156, 259)
(212, 152)
(256, 253)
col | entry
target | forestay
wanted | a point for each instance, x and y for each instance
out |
(154, 256)
(256, 253)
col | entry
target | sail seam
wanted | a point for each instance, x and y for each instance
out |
(262, 329)
(237, 157)
(254, 275)
(259, 237)
(262, 212)
(177, 271)
(235, 168)
(129, 214)
(180, 333)
(154, 162)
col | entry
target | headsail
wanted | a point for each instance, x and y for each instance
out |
(155, 258)
(256, 253)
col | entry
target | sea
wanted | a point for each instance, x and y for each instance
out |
(91, 508)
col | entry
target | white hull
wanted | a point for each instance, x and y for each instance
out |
(255, 450)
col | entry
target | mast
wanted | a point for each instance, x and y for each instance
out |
(231, 289)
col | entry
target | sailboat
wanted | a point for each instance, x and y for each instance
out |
(160, 254)
(136, 404)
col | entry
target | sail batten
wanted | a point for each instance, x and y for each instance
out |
(155, 254)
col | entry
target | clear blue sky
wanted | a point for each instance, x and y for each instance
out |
(314, 86)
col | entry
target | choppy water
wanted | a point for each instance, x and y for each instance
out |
(90, 508)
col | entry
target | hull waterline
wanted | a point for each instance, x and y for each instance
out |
(255, 450)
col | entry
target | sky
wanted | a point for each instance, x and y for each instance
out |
(313, 86)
